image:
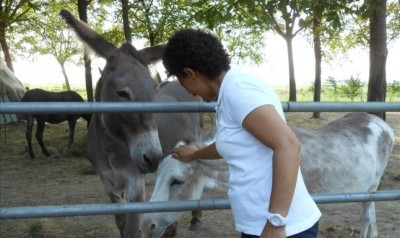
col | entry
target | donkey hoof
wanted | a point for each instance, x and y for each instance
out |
(195, 224)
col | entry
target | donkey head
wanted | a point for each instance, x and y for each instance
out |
(125, 78)
(176, 180)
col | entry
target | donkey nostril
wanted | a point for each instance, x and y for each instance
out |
(153, 226)
(147, 160)
(151, 163)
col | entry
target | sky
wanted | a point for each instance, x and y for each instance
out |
(46, 72)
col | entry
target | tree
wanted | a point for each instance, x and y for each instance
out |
(378, 53)
(82, 10)
(125, 20)
(317, 11)
(234, 24)
(154, 21)
(12, 15)
(368, 29)
(284, 17)
(326, 22)
(358, 27)
(48, 36)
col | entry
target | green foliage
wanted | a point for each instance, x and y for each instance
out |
(48, 36)
(352, 88)
(393, 89)
(332, 86)
(154, 21)
(356, 33)
(113, 35)
(236, 24)
(393, 21)
(15, 14)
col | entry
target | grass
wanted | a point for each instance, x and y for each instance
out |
(36, 228)
(396, 176)
(55, 138)
(305, 95)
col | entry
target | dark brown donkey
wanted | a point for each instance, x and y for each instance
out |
(122, 146)
(40, 95)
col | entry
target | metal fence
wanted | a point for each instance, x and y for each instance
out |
(172, 206)
(98, 107)
(145, 207)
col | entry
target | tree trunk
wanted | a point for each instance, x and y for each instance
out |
(125, 20)
(82, 9)
(378, 54)
(88, 76)
(316, 28)
(292, 80)
(4, 47)
(65, 77)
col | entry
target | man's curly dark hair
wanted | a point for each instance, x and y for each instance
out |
(196, 49)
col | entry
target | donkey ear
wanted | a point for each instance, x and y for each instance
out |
(153, 53)
(97, 43)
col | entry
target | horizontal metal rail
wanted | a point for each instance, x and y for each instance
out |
(172, 206)
(100, 107)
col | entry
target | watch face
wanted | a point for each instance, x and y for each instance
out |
(276, 220)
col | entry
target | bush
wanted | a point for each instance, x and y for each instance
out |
(352, 88)
(331, 86)
(393, 90)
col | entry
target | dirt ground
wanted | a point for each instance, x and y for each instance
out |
(66, 178)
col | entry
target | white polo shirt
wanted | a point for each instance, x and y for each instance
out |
(250, 161)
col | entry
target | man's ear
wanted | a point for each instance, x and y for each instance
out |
(189, 72)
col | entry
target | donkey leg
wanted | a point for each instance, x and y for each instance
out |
(374, 229)
(71, 124)
(195, 223)
(28, 135)
(39, 137)
(135, 191)
(120, 219)
(368, 220)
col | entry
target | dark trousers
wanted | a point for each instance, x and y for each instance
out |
(310, 233)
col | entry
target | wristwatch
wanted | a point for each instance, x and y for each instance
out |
(276, 219)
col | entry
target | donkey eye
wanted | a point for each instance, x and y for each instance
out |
(123, 94)
(177, 182)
